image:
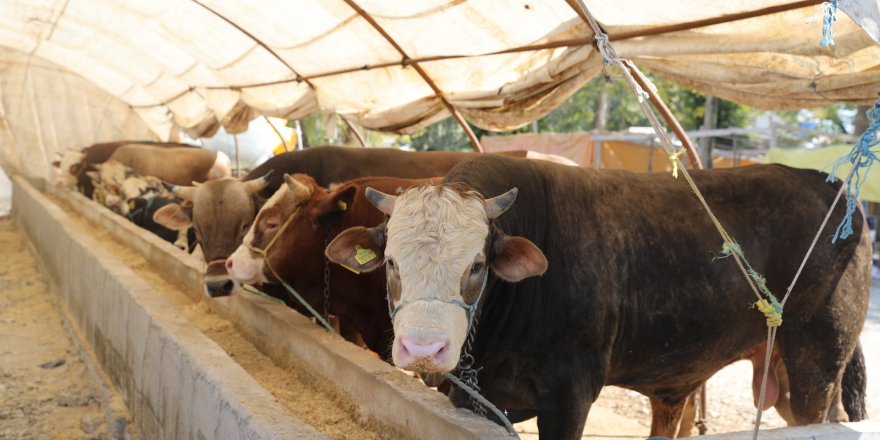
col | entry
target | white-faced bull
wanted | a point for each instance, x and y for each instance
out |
(632, 295)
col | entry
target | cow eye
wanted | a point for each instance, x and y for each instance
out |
(477, 267)
(390, 263)
(271, 223)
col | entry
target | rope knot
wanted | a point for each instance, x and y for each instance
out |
(674, 158)
(773, 312)
(830, 16)
(861, 156)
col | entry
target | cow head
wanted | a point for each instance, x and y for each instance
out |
(303, 206)
(222, 212)
(64, 169)
(438, 245)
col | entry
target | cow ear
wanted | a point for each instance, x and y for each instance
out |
(337, 201)
(517, 258)
(358, 249)
(172, 216)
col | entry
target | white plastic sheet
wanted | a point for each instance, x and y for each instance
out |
(197, 65)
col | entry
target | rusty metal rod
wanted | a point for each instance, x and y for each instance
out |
(475, 143)
(693, 159)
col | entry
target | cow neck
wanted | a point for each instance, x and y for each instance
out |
(264, 252)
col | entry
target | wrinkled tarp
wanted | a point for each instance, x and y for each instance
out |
(197, 65)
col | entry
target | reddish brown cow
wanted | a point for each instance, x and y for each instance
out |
(316, 216)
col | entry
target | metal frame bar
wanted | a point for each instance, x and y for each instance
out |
(475, 143)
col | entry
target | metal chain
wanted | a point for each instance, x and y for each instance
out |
(327, 280)
(466, 370)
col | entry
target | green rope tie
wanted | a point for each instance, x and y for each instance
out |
(299, 298)
(770, 307)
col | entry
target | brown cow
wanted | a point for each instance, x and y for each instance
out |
(100, 153)
(175, 165)
(315, 216)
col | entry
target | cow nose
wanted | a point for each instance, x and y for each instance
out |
(416, 351)
(219, 288)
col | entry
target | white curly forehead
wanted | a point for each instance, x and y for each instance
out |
(436, 229)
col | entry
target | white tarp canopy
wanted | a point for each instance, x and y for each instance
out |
(77, 71)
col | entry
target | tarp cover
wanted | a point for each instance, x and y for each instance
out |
(198, 64)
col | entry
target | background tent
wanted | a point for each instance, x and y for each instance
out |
(76, 71)
(821, 159)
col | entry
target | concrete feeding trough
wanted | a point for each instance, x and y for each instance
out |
(176, 381)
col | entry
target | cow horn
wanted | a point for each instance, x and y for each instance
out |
(254, 186)
(383, 202)
(184, 192)
(299, 189)
(497, 205)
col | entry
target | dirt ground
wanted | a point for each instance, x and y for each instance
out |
(45, 389)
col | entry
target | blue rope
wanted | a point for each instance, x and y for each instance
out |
(861, 157)
(828, 20)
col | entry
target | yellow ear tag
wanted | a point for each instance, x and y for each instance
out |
(342, 205)
(357, 272)
(363, 255)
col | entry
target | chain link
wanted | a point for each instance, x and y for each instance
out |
(326, 281)
(466, 370)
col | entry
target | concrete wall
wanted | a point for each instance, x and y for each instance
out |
(380, 390)
(176, 381)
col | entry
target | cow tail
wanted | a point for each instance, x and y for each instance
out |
(855, 380)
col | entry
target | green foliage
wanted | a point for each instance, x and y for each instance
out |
(579, 113)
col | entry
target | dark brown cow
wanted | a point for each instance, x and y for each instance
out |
(632, 295)
(315, 216)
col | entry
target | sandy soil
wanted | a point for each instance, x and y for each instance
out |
(45, 390)
(307, 396)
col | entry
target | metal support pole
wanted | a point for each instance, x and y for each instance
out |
(299, 135)
(237, 164)
(283, 142)
(692, 157)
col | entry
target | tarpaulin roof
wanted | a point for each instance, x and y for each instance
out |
(71, 68)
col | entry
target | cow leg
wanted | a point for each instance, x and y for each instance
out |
(564, 420)
(815, 368)
(783, 402)
(836, 413)
(666, 416)
(688, 416)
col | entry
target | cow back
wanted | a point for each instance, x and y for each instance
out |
(632, 260)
